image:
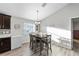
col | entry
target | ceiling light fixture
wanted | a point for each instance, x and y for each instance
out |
(37, 21)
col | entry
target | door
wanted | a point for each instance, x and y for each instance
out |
(75, 33)
(28, 28)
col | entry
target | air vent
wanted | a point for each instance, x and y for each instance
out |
(44, 4)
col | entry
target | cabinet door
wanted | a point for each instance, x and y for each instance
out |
(0, 45)
(6, 22)
(5, 44)
(1, 21)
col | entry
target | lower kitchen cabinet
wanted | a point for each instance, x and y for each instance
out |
(5, 44)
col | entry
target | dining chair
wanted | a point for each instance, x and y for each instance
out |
(30, 40)
(47, 43)
(35, 42)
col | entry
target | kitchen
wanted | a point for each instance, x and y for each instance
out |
(11, 32)
(5, 35)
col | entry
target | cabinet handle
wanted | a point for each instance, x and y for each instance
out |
(1, 43)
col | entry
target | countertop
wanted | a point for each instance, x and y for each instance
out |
(5, 35)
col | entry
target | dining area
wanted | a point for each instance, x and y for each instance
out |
(40, 42)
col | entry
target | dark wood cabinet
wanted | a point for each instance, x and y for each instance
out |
(76, 34)
(4, 21)
(5, 44)
(1, 21)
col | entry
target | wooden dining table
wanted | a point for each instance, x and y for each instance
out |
(40, 36)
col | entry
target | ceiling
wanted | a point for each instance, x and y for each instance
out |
(29, 10)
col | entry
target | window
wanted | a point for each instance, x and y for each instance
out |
(28, 28)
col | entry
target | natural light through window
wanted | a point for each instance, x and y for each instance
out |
(28, 28)
(57, 33)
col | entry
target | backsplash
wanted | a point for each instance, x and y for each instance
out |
(5, 31)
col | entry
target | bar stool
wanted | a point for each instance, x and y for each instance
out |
(47, 43)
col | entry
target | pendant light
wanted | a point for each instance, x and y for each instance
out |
(37, 21)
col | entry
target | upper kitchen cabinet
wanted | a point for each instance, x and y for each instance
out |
(4, 21)
(1, 22)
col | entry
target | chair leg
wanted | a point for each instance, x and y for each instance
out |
(32, 45)
(40, 48)
(30, 42)
(50, 47)
(47, 50)
(35, 46)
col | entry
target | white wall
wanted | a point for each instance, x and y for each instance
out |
(19, 32)
(62, 18)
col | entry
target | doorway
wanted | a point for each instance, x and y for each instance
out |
(75, 33)
(28, 28)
